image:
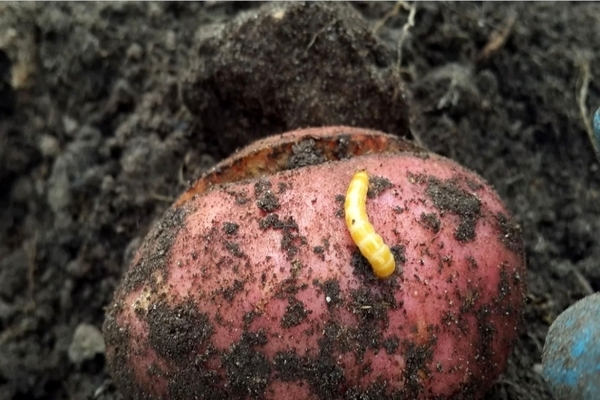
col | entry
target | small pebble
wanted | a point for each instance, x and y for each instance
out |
(87, 342)
(69, 125)
(49, 145)
(571, 357)
(135, 52)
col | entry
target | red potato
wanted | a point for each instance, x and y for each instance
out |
(255, 289)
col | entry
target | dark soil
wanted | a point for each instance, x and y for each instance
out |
(96, 142)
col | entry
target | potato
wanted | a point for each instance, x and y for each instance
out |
(255, 289)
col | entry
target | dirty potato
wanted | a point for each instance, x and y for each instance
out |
(255, 289)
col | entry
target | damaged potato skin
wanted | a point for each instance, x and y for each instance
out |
(255, 289)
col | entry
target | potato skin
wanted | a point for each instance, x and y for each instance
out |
(256, 290)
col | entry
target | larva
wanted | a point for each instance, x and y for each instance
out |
(363, 234)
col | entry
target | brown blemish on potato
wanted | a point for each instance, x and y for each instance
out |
(448, 197)
(510, 233)
(176, 333)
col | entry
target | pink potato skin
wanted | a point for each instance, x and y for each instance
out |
(256, 290)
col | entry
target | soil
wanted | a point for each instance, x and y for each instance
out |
(98, 136)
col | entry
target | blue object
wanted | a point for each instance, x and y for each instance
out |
(571, 357)
(596, 124)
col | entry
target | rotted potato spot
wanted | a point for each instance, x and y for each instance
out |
(510, 233)
(248, 370)
(176, 332)
(448, 197)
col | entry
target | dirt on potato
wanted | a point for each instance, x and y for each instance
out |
(96, 142)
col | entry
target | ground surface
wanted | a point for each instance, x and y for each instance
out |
(95, 142)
